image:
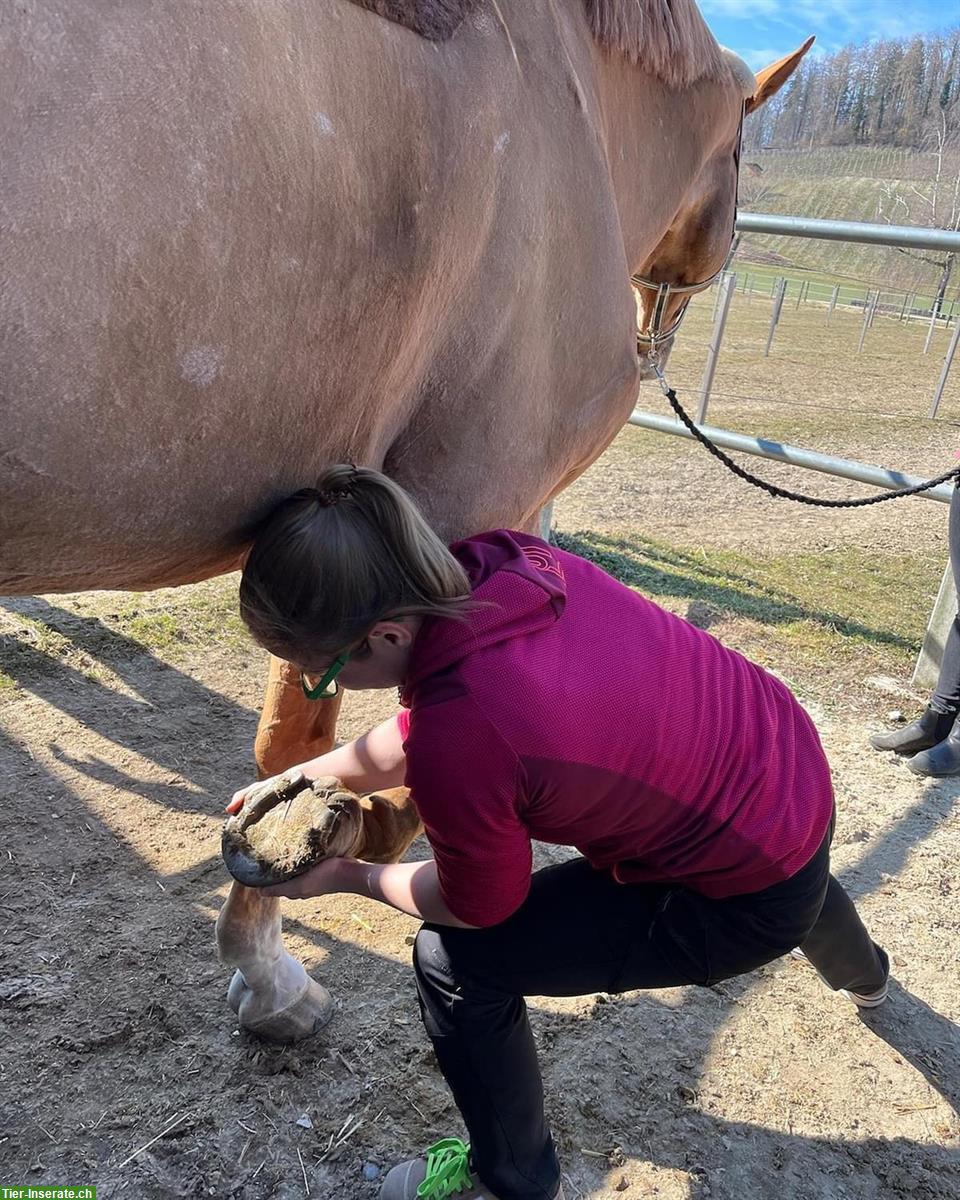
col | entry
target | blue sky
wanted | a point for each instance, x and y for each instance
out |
(764, 30)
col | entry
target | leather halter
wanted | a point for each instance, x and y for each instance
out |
(653, 335)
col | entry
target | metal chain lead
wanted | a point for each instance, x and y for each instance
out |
(771, 489)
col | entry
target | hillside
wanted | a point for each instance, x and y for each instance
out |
(843, 183)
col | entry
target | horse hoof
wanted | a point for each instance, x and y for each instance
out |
(301, 1020)
(287, 826)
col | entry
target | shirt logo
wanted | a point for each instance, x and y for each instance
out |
(542, 560)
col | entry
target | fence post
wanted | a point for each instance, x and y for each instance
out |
(546, 520)
(933, 322)
(781, 291)
(874, 306)
(727, 287)
(903, 306)
(833, 301)
(867, 304)
(944, 610)
(948, 360)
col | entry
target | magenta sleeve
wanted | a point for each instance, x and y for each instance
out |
(465, 779)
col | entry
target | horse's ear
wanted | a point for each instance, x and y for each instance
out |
(771, 79)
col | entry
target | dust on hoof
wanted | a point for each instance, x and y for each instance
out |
(286, 826)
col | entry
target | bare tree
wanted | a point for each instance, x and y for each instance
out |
(937, 204)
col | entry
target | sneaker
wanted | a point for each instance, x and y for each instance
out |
(444, 1172)
(860, 999)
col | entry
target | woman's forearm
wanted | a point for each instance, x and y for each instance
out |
(413, 888)
(367, 764)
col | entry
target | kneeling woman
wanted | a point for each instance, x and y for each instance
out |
(544, 700)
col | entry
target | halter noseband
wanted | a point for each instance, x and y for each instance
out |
(653, 334)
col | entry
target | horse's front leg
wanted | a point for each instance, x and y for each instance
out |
(292, 728)
(271, 993)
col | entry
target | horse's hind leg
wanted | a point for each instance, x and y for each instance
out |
(270, 992)
(292, 728)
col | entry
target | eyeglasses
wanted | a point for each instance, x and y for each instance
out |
(327, 687)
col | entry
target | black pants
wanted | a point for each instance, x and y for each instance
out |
(947, 695)
(580, 932)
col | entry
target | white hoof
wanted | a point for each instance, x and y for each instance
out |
(299, 1020)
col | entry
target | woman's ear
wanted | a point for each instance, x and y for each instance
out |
(396, 631)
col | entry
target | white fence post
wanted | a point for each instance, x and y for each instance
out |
(867, 305)
(727, 287)
(833, 301)
(933, 322)
(947, 362)
(781, 291)
(944, 610)
(873, 307)
(546, 521)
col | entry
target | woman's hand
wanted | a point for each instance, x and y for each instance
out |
(325, 879)
(237, 802)
(239, 797)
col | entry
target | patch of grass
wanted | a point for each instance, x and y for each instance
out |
(172, 620)
(820, 618)
(92, 632)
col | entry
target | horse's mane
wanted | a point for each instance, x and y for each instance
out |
(669, 38)
(433, 19)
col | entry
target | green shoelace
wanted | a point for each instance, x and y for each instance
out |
(448, 1170)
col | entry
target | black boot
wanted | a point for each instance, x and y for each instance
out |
(927, 730)
(942, 759)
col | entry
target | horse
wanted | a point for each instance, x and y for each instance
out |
(242, 241)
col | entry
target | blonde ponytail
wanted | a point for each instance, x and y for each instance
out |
(334, 559)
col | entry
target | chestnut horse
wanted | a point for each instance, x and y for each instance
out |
(243, 240)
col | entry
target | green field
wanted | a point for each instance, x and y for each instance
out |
(762, 277)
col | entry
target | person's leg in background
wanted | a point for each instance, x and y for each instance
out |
(936, 732)
(943, 758)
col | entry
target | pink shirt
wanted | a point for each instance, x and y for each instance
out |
(572, 710)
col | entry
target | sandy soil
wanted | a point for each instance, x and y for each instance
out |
(114, 1031)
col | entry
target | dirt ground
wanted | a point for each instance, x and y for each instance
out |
(121, 1065)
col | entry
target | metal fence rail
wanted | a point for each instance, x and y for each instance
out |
(794, 456)
(904, 236)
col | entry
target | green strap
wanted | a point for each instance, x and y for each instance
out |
(448, 1170)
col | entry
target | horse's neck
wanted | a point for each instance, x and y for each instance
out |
(657, 141)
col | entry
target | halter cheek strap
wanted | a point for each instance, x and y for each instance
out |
(653, 334)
